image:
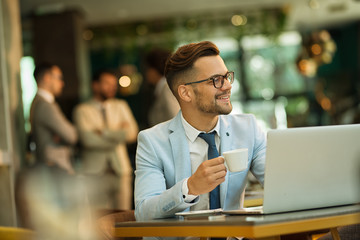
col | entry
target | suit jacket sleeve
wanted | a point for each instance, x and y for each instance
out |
(132, 128)
(155, 197)
(90, 139)
(88, 136)
(125, 133)
(259, 152)
(57, 123)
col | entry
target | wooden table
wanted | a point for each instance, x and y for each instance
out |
(260, 227)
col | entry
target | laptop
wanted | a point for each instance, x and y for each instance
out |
(309, 168)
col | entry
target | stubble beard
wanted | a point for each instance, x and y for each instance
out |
(212, 107)
(103, 96)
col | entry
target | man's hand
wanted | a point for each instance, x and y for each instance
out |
(124, 125)
(56, 138)
(98, 132)
(208, 175)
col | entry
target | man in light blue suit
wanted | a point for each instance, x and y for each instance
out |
(173, 173)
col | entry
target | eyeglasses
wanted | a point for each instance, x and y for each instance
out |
(218, 80)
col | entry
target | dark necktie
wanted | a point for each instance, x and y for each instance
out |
(103, 114)
(212, 153)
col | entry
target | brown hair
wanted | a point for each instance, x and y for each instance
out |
(97, 75)
(181, 62)
(42, 69)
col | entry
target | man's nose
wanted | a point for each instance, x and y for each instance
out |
(227, 85)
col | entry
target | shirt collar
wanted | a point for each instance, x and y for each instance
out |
(98, 104)
(192, 133)
(48, 96)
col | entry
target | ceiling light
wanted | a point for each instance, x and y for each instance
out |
(238, 20)
(124, 81)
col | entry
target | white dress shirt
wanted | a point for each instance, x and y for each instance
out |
(198, 154)
(46, 95)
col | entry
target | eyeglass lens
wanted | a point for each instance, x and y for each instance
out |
(219, 80)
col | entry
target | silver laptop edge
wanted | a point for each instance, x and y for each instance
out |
(312, 167)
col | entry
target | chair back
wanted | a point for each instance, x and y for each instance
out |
(14, 233)
(106, 223)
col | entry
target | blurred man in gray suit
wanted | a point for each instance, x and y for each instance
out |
(53, 134)
(50, 189)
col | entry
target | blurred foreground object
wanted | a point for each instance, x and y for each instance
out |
(13, 233)
(106, 223)
(53, 204)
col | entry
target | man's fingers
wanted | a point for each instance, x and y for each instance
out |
(215, 161)
(218, 178)
(209, 174)
(217, 165)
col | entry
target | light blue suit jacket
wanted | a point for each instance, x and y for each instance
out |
(163, 162)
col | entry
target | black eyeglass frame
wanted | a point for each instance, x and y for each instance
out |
(213, 79)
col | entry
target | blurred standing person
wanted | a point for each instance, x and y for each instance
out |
(50, 190)
(105, 126)
(165, 105)
(53, 134)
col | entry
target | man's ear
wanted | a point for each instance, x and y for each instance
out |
(46, 79)
(185, 93)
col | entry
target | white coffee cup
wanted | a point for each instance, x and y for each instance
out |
(236, 160)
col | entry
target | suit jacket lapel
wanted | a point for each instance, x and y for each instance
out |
(180, 149)
(225, 143)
